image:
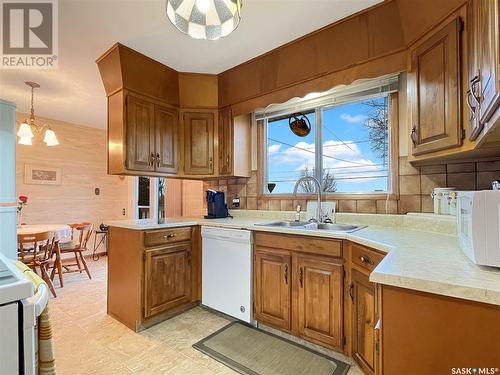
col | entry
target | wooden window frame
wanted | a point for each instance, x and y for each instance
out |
(393, 194)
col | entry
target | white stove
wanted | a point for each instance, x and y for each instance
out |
(18, 310)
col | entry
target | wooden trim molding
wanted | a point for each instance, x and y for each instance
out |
(394, 139)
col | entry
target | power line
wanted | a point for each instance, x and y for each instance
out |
(337, 168)
(347, 143)
(338, 145)
(336, 179)
(325, 156)
(292, 173)
(338, 138)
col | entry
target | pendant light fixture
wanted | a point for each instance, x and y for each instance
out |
(205, 19)
(29, 127)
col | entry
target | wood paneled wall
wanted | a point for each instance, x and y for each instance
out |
(198, 90)
(82, 157)
(368, 44)
(185, 198)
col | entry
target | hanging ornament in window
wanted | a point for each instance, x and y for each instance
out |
(299, 124)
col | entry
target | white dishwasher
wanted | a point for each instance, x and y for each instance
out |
(227, 271)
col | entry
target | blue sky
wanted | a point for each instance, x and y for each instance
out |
(347, 151)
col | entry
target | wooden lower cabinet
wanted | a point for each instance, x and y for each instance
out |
(319, 300)
(272, 288)
(362, 308)
(152, 274)
(167, 278)
(424, 333)
(299, 292)
(363, 321)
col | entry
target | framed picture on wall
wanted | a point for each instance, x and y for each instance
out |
(39, 175)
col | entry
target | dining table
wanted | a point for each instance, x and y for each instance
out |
(59, 232)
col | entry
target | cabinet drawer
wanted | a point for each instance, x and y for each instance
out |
(305, 244)
(365, 257)
(165, 236)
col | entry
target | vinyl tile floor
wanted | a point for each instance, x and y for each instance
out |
(87, 341)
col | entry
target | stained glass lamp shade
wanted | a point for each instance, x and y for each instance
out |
(205, 19)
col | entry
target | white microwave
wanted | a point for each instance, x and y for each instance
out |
(478, 225)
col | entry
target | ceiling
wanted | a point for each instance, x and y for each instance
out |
(74, 92)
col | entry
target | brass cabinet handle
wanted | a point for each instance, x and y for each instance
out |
(171, 235)
(157, 159)
(152, 160)
(414, 135)
(366, 259)
(189, 258)
(301, 277)
(285, 274)
(471, 108)
(351, 289)
(227, 160)
(473, 82)
(211, 163)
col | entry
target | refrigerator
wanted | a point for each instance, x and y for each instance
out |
(19, 304)
(8, 199)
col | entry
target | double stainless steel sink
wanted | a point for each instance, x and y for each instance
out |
(344, 228)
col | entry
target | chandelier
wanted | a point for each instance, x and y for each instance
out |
(29, 127)
(205, 19)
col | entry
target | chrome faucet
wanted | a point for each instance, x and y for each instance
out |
(318, 192)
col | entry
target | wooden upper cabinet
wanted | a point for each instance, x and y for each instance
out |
(363, 321)
(272, 286)
(140, 134)
(167, 278)
(319, 301)
(434, 90)
(472, 88)
(198, 143)
(166, 124)
(488, 39)
(226, 141)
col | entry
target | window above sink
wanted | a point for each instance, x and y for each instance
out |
(351, 147)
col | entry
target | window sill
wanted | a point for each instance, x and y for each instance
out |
(332, 197)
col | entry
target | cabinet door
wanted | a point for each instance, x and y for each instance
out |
(487, 44)
(226, 141)
(166, 139)
(472, 94)
(140, 134)
(272, 288)
(167, 278)
(434, 93)
(363, 321)
(199, 143)
(319, 304)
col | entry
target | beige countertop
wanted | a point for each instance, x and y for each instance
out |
(418, 260)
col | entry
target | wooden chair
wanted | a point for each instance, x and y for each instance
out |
(80, 236)
(35, 250)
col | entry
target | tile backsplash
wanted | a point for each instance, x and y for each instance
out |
(415, 187)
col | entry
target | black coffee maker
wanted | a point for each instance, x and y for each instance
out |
(216, 204)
